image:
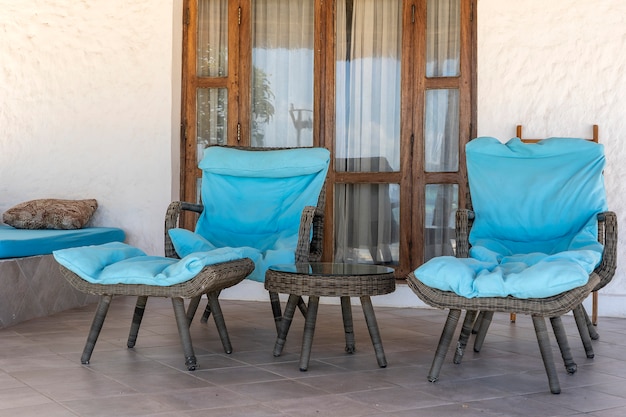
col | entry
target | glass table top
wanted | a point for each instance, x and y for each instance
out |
(330, 269)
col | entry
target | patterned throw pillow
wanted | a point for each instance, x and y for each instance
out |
(50, 213)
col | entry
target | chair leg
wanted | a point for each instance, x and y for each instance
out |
(276, 310)
(140, 308)
(466, 331)
(183, 331)
(477, 323)
(372, 326)
(541, 330)
(206, 314)
(483, 326)
(561, 340)
(193, 307)
(285, 323)
(309, 332)
(96, 326)
(207, 311)
(583, 330)
(444, 344)
(302, 306)
(592, 327)
(218, 317)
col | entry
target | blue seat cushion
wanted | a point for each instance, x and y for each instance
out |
(17, 243)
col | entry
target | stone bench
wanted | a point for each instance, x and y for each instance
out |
(31, 284)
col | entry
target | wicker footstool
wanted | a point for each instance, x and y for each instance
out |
(317, 280)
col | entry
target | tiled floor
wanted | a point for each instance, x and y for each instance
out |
(41, 374)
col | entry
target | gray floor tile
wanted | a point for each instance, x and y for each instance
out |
(41, 373)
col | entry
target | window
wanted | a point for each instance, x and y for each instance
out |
(387, 86)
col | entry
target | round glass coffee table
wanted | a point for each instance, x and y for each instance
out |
(321, 279)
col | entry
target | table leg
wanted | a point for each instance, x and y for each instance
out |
(285, 323)
(372, 326)
(346, 311)
(309, 330)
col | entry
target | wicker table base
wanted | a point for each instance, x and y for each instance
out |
(317, 280)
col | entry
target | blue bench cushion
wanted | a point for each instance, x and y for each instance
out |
(17, 243)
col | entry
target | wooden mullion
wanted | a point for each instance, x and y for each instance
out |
(327, 12)
(418, 178)
(407, 138)
(368, 177)
(212, 82)
(467, 102)
(442, 82)
(442, 177)
(189, 168)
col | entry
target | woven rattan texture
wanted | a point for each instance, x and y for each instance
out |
(547, 307)
(330, 286)
(211, 278)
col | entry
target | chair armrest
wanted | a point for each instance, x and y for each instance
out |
(607, 236)
(172, 218)
(310, 235)
(464, 220)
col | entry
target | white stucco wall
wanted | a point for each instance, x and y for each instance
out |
(90, 102)
(88, 108)
(556, 67)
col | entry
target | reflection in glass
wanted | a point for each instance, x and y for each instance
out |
(369, 39)
(212, 108)
(282, 73)
(367, 219)
(442, 201)
(443, 38)
(212, 56)
(441, 130)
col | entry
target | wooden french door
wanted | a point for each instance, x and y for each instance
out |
(386, 85)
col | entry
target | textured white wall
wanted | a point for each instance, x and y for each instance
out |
(88, 108)
(556, 67)
(90, 101)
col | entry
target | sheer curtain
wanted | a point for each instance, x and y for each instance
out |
(367, 135)
(441, 125)
(212, 61)
(282, 73)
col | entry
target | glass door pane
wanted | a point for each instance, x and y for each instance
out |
(282, 73)
(212, 112)
(443, 38)
(367, 130)
(212, 38)
(441, 204)
(441, 130)
(368, 216)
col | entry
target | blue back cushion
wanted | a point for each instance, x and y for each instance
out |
(534, 197)
(256, 198)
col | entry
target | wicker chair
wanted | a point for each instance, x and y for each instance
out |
(538, 308)
(308, 249)
(211, 280)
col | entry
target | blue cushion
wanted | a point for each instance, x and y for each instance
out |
(186, 243)
(535, 230)
(534, 197)
(119, 263)
(15, 243)
(254, 200)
